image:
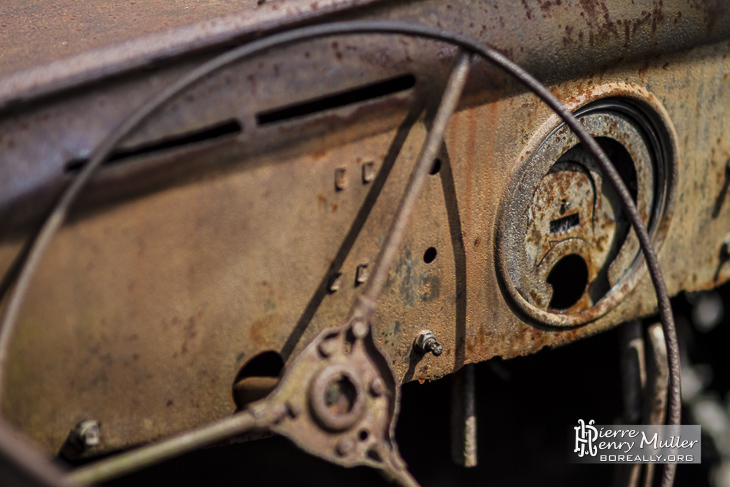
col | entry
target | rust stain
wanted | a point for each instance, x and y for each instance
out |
(262, 333)
(712, 10)
(321, 200)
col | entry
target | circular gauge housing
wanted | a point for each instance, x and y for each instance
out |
(566, 253)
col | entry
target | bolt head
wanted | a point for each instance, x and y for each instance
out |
(422, 339)
(426, 342)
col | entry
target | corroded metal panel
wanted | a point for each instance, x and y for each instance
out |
(190, 254)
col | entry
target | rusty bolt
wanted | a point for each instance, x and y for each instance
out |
(340, 178)
(87, 434)
(377, 388)
(426, 342)
(368, 172)
(335, 282)
(361, 275)
(345, 446)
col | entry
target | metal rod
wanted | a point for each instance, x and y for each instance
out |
(633, 381)
(464, 418)
(403, 478)
(633, 370)
(429, 151)
(146, 456)
(655, 398)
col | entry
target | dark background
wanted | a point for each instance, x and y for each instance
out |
(525, 409)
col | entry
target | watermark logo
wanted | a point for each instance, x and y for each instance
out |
(635, 443)
(585, 438)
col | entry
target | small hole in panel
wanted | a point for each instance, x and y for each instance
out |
(430, 255)
(257, 378)
(569, 279)
(363, 435)
(374, 455)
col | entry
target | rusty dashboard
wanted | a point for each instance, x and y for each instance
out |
(246, 212)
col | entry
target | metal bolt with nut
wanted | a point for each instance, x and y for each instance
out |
(82, 438)
(426, 342)
(87, 434)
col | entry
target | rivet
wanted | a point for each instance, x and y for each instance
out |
(344, 446)
(360, 328)
(327, 347)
